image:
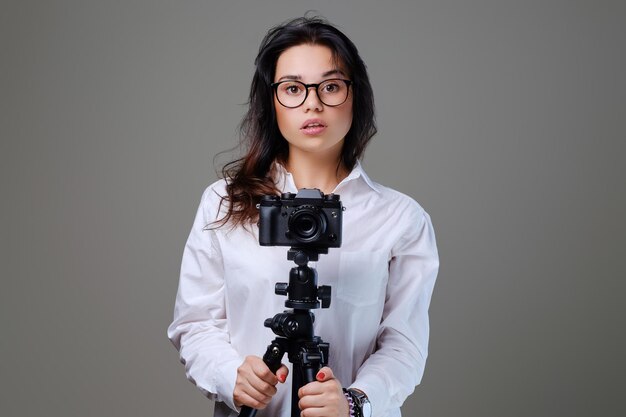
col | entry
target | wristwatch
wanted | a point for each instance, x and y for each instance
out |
(361, 402)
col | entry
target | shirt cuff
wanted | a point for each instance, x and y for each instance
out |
(227, 374)
(371, 386)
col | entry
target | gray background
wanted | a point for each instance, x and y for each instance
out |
(504, 119)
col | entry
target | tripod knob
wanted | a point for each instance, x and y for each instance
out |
(323, 293)
(281, 288)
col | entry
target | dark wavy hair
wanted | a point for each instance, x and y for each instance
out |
(250, 177)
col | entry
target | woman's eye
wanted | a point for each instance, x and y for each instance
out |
(331, 88)
(292, 89)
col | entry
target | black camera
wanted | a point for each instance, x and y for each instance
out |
(308, 219)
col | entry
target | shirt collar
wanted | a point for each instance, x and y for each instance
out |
(284, 179)
(357, 172)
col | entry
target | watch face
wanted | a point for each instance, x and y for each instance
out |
(367, 409)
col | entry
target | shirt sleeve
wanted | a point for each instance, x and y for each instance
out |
(200, 330)
(391, 373)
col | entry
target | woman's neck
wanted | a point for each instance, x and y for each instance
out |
(315, 171)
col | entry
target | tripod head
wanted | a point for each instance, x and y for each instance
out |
(303, 295)
(302, 290)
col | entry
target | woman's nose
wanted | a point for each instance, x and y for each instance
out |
(313, 101)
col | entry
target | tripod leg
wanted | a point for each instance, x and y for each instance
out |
(297, 382)
(311, 358)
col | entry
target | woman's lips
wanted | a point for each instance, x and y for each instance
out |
(313, 127)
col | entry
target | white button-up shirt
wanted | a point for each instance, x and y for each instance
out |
(382, 280)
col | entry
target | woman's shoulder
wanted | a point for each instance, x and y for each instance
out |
(212, 201)
(400, 202)
(393, 199)
(217, 188)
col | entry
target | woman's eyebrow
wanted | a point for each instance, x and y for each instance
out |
(299, 77)
(290, 77)
(333, 72)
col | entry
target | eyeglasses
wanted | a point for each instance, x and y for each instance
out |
(292, 94)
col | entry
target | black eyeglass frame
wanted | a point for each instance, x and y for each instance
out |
(308, 87)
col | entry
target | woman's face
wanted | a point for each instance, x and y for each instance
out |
(313, 127)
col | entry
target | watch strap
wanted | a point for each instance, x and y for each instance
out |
(362, 404)
(351, 405)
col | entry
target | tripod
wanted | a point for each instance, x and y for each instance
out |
(294, 328)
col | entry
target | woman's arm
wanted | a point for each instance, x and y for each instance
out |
(391, 373)
(200, 329)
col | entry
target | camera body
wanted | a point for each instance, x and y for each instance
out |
(308, 219)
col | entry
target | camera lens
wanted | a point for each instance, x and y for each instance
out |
(307, 224)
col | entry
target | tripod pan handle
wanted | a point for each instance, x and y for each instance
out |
(272, 358)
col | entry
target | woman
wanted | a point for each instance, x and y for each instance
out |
(310, 118)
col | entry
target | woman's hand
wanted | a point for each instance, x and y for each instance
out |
(323, 397)
(256, 384)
